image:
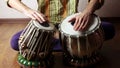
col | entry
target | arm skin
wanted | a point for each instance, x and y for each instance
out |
(18, 5)
(82, 20)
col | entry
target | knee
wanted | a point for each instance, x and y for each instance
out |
(109, 30)
(14, 41)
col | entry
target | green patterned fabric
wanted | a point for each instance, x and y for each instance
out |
(57, 10)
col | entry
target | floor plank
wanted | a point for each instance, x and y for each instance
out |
(7, 54)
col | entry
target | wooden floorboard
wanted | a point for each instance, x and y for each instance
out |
(7, 54)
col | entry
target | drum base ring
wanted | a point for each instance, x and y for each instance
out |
(82, 62)
(47, 63)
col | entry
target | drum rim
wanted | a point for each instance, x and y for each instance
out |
(86, 32)
(36, 23)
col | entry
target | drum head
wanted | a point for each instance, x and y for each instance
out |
(45, 26)
(67, 28)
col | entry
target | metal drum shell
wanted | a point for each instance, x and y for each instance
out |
(36, 42)
(81, 48)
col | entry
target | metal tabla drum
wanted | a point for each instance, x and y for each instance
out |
(81, 48)
(36, 44)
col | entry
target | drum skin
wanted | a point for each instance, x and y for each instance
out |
(81, 48)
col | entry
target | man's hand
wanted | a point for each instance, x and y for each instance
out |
(35, 15)
(81, 21)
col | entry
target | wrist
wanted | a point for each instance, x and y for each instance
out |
(91, 7)
(88, 11)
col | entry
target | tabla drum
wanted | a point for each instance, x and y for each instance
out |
(36, 44)
(81, 48)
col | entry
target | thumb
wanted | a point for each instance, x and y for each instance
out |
(72, 20)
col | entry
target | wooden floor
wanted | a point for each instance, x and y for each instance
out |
(110, 50)
(7, 55)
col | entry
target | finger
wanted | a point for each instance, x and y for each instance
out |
(86, 24)
(41, 16)
(38, 18)
(31, 16)
(76, 24)
(81, 25)
(71, 20)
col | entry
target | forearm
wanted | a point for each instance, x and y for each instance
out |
(18, 5)
(93, 5)
(33, 14)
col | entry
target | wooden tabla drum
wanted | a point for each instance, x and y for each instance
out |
(36, 44)
(81, 47)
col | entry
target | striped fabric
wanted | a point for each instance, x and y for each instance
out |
(57, 10)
